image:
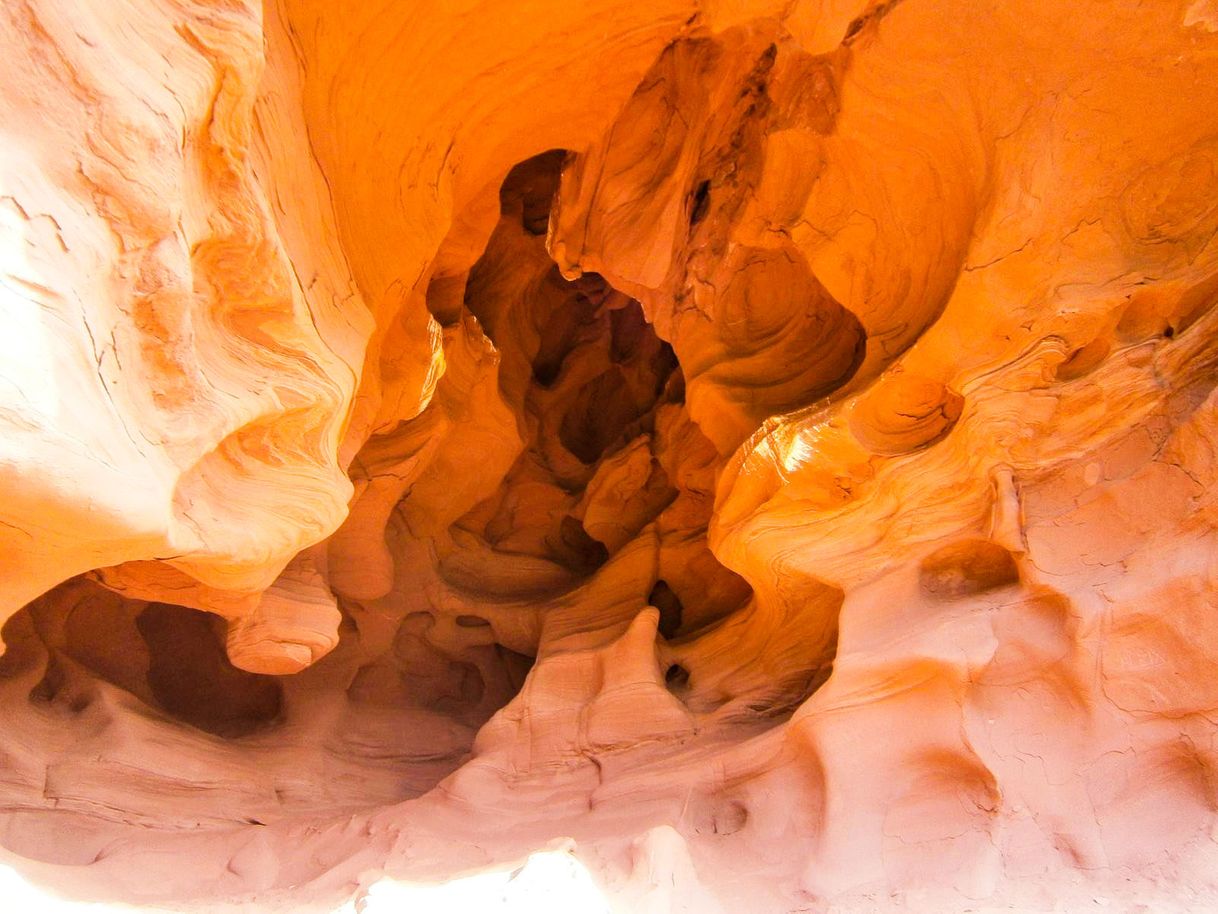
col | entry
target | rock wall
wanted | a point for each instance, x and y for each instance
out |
(768, 445)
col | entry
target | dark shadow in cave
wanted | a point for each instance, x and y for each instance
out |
(599, 399)
(192, 679)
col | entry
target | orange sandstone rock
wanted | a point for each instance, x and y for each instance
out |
(765, 447)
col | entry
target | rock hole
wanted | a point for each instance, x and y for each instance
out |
(701, 203)
(469, 621)
(191, 678)
(665, 599)
(676, 678)
(529, 189)
(576, 549)
(598, 416)
(854, 28)
(591, 386)
(970, 567)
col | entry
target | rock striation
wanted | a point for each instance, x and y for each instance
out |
(765, 448)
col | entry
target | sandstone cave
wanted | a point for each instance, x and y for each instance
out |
(691, 456)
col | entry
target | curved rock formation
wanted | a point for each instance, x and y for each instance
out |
(763, 448)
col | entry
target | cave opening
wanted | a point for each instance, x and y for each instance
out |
(609, 459)
(607, 498)
(598, 508)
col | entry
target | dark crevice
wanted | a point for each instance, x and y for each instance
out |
(191, 677)
(598, 417)
(665, 599)
(529, 190)
(596, 377)
(701, 203)
(873, 15)
(676, 678)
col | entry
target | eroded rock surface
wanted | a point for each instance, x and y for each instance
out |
(767, 444)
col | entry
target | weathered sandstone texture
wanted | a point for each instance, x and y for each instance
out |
(768, 447)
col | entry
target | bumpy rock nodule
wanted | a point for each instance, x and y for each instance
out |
(768, 443)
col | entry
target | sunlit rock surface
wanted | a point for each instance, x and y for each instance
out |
(761, 452)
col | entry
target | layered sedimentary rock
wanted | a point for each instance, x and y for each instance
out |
(764, 447)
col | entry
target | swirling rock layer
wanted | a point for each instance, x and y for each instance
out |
(769, 445)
